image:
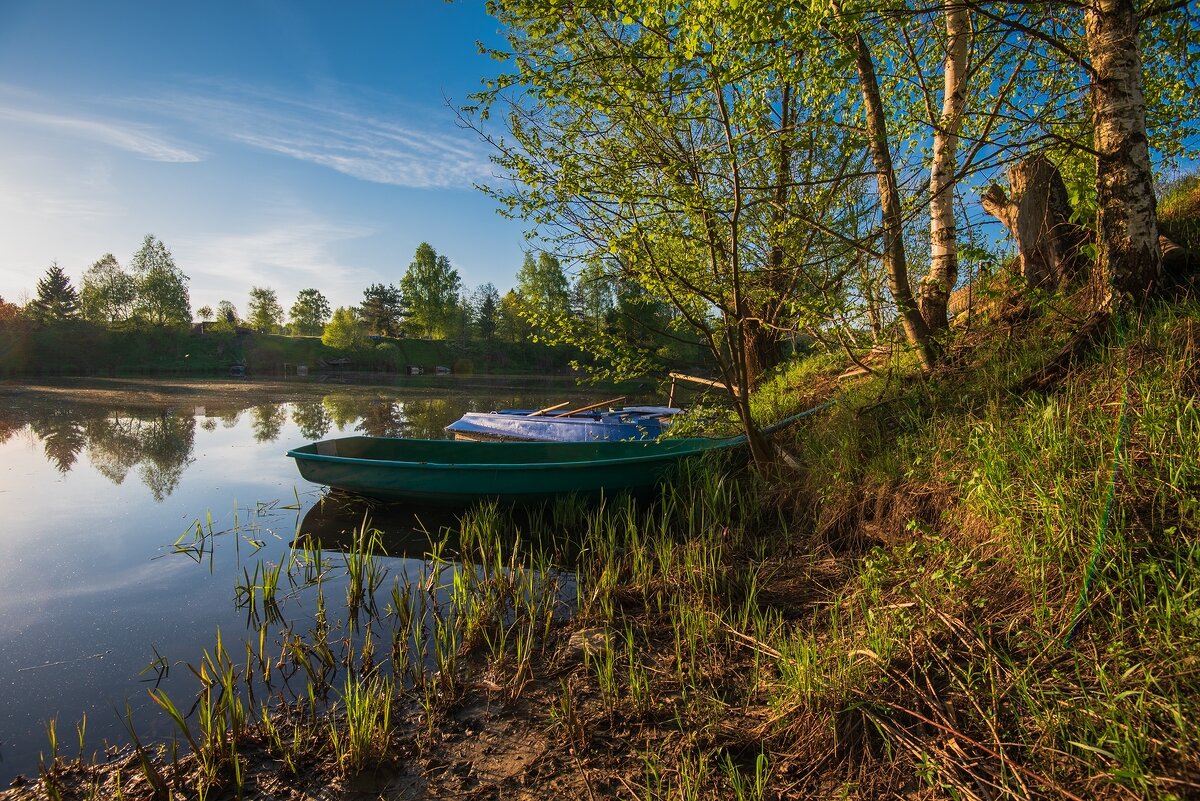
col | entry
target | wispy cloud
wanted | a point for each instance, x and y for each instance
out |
(287, 255)
(339, 134)
(139, 139)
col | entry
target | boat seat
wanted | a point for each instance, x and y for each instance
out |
(327, 448)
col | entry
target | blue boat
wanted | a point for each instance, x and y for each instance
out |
(635, 423)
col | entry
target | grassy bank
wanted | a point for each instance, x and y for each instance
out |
(973, 586)
(79, 348)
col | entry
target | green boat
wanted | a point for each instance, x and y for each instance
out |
(456, 472)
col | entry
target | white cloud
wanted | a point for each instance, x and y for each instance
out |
(286, 256)
(338, 135)
(135, 138)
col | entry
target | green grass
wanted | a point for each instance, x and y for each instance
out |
(1054, 621)
(1179, 210)
(80, 348)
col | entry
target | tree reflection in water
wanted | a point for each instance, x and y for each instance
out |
(167, 451)
(424, 418)
(382, 418)
(343, 409)
(114, 448)
(159, 445)
(268, 421)
(311, 418)
(157, 442)
(62, 435)
(230, 417)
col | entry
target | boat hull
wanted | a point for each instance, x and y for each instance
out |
(459, 473)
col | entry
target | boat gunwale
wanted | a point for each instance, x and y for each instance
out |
(298, 453)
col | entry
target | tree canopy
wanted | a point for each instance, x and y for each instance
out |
(162, 288)
(485, 310)
(381, 309)
(108, 292)
(266, 315)
(227, 314)
(344, 330)
(8, 311)
(430, 289)
(309, 313)
(719, 156)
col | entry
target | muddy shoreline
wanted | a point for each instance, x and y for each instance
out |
(199, 391)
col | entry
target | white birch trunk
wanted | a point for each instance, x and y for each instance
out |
(943, 233)
(1130, 261)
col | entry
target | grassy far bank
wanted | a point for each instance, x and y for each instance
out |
(80, 348)
(968, 589)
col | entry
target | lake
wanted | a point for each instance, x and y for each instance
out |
(134, 510)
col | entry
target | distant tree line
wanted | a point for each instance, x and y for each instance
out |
(153, 291)
(429, 301)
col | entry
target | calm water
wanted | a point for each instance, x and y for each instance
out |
(96, 602)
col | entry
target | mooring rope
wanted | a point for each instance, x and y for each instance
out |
(787, 421)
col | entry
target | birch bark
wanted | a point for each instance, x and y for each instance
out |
(1130, 260)
(943, 234)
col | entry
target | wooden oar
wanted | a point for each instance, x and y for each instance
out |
(540, 412)
(589, 408)
(708, 382)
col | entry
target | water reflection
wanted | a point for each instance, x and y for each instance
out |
(160, 446)
(311, 418)
(268, 421)
(94, 563)
(157, 443)
(337, 520)
(62, 437)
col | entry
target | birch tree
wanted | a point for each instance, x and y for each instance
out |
(429, 291)
(1124, 75)
(162, 288)
(107, 293)
(1127, 224)
(943, 229)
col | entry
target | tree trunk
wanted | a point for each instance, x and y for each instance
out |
(1130, 260)
(1038, 216)
(894, 260)
(943, 234)
(761, 341)
(761, 349)
(761, 451)
(870, 283)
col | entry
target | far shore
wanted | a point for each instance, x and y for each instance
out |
(168, 389)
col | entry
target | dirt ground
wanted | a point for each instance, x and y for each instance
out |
(490, 745)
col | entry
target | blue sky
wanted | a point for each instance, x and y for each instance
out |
(267, 142)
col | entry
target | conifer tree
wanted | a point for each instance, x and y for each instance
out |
(56, 299)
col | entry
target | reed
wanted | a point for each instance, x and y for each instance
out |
(751, 787)
(363, 733)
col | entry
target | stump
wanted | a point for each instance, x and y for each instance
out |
(1037, 213)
